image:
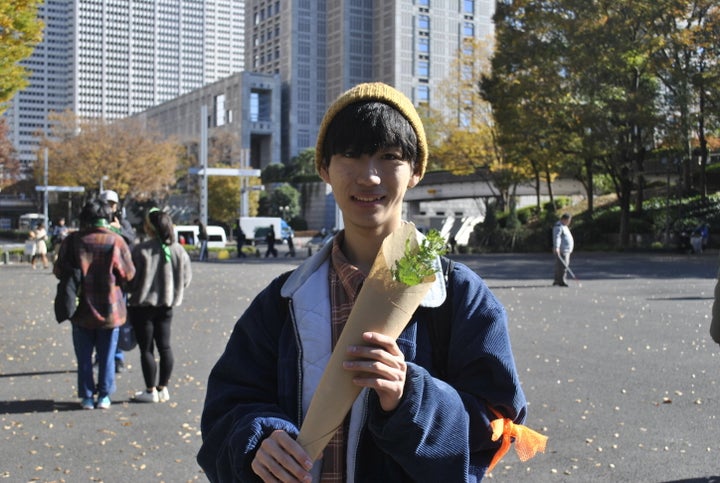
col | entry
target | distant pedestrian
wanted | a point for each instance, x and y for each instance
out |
(41, 246)
(59, 233)
(30, 248)
(105, 263)
(122, 227)
(453, 243)
(118, 223)
(240, 239)
(202, 240)
(163, 273)
(563, 245)
(270, 240)
(291, 246)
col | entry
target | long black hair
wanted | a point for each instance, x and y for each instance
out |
(93, 211)
(163, 225)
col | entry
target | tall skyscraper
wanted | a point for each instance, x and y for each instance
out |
(113, 58)
(322, 47)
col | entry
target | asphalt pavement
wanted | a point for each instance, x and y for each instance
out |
(619, 371)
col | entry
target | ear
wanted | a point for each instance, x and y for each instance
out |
(324, 174)
(414, 180)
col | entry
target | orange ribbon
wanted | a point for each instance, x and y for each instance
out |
(527, 441)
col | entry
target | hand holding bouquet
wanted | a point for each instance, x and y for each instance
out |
(398, 281)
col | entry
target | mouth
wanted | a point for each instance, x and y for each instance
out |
(367, 198)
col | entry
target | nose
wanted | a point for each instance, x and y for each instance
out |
(369, 170)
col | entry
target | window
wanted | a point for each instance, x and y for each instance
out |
(423, 68)
(254, 106)
(423, 45)
(468, 29)
(424, 22)
(423, 94)
(468, 6)
(220, 119)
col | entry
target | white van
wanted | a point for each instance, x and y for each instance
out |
(189, 233)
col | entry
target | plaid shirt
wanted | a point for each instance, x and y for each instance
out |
(345, 283)
(106, 264)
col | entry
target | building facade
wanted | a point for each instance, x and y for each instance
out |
(245, 104)
(111, 59)
(320, 48)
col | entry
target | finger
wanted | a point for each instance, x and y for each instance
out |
(281, 458)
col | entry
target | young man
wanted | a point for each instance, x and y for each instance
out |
(408, 424)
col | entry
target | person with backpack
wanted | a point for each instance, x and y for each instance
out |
(420, 416)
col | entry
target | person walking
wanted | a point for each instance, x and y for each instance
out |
(414, 419)
(30, 248)
(270, 240)
(59, 233)
(41, 246)
(163, 274)
(291, 245)
(563, 245)
(240, 239)
(203, 240)
(120, 225)
(105, 262)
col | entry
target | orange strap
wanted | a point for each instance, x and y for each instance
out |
(527, 441)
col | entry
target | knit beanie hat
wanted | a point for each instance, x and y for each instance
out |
(369, 92)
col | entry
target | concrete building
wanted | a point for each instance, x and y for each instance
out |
(111, 59)
(246, 104)
(321, 48)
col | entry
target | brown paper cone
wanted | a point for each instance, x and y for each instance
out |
(383, 305)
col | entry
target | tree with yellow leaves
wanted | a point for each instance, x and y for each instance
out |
(466, 140)
(138, 162)
(20, 32)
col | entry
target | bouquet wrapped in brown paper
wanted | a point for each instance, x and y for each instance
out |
(385, 305)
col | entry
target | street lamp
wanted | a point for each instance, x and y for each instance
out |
(103, 178)
(283, 211)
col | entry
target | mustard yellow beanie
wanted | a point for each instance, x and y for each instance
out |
(376, 91)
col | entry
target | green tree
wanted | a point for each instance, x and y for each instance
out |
(575, 80)
(20, 32)
(689, 68)
(283, 201)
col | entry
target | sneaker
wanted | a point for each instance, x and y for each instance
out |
(87, 403)
(104, 403)
(119, 366)
(164, 395)
(148, 397)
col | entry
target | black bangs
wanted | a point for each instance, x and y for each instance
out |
(366, 127)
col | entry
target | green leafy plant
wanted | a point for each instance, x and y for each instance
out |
(417, 264)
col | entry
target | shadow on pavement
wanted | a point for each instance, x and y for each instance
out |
(37, 406)
(38, 373)
(708, 479)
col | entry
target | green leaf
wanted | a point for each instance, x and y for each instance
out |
(417, 265)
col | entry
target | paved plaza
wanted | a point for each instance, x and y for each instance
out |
(619, 371)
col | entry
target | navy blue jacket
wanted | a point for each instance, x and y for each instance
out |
(439, 432)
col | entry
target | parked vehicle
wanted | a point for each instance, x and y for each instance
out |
(256, 227)
(217, 238)
(30, 221)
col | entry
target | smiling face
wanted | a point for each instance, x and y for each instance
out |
(370, 151)
(369, 188)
